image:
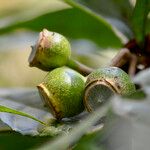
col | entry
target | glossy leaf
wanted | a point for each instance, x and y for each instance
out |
(148, 25)
(23, 102)
(139, 19)
(73, 23)
(11, 140)
(19, 10)
(64, 141)
(13, 111)
(89, 142)
(28, 100)
(117, 13)
(130, 126)
(120, 8)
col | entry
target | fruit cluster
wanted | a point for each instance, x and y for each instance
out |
(65, 91)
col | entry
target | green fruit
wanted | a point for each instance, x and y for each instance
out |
(62, 90)
(51, 51)
(102, 83)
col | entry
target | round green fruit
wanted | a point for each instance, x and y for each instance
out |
(51, 51)
(102, 83)
(62, 90)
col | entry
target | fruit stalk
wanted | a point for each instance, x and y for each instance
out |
(53, 50)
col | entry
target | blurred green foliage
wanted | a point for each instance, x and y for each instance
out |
(97, 20)
(73, 23)
(139, 19)
(15, 141)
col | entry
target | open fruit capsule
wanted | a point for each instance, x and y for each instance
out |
(102, 83)
(51, 51)
(62, 90)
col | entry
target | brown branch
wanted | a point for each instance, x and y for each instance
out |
(121, 58)
(133, 55)
(132, 65)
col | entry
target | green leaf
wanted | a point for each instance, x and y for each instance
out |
(117, 13)
(139, 19)
(16, 112)
(138, 95)
(28, 100)
(15, 141)
(117, 8)
(23, 10)
(101, 20)
(74, 23)
(64, 141)
(88, 142)
(148, 25)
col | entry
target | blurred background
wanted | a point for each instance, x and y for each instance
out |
(20, 24)
(95, 39)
